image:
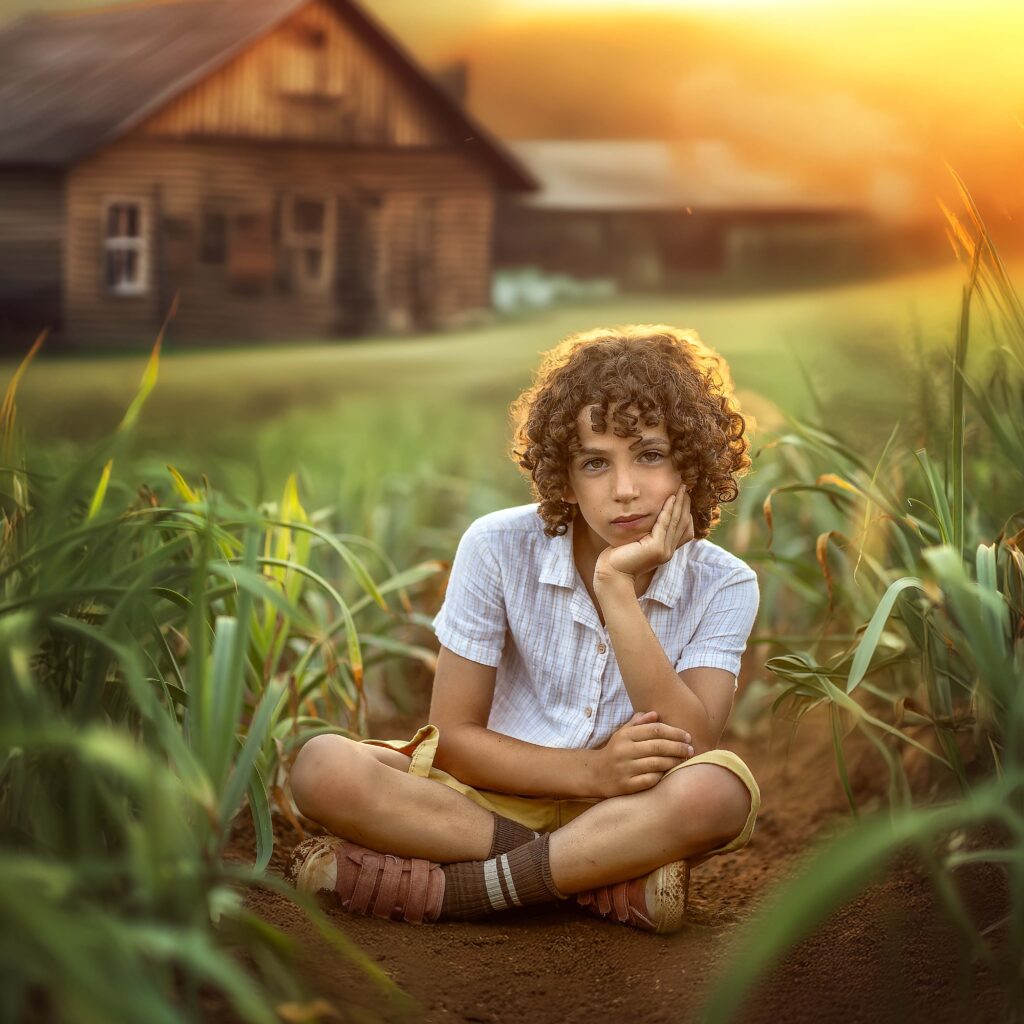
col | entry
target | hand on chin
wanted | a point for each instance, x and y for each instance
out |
(672, 529)
(628, 561)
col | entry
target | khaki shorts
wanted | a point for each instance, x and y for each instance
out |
(545, 814)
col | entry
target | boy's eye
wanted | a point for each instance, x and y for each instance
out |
(658, 456)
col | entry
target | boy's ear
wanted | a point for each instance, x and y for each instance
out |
(569, 495)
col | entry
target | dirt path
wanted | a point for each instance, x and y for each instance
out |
(888, 956)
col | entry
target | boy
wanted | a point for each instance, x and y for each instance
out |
(589, 650)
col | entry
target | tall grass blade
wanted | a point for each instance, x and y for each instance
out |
(940, 504)
(957, 425)
(259, 804)
(873, 633)
(8, 410)
(146, 386)
(181, 485)
(241, 774)
(225, 701)
(837, 744)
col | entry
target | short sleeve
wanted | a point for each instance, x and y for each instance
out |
(472, 621)
(721, 635)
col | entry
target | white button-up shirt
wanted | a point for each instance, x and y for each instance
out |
(515, 601)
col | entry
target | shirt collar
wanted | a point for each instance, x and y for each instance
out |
(559, 569)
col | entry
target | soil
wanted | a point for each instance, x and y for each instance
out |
(889, 955)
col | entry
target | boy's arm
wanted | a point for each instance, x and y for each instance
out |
(699, 696)
(632, 760)
(698, 700)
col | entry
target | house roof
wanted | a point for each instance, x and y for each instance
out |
(74, 82)
(611, 174)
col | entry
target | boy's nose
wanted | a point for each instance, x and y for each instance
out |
(625, 485)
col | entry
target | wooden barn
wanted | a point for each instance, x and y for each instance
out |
(650, 215)
(283, 166)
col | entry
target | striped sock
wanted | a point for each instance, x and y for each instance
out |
(516, 879)
(508, 834)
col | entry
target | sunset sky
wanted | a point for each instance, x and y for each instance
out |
(871, 99)
(865, 99)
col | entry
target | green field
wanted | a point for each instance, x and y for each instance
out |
(863, 329)
(400, 435)
(169, 641)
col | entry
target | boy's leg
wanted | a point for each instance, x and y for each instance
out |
(364, 793)
(693, 810)
(689, 812)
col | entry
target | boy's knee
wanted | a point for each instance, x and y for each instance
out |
(714, 795)
(734, 801)
(322, 766)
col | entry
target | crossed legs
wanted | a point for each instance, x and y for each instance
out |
(365, 794)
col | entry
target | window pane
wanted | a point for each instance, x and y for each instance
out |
(123, 220)
(131, 266)
(308, 216)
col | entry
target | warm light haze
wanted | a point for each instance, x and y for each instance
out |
(870, 100)
(864, 101)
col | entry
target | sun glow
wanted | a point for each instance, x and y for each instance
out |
(557, 7)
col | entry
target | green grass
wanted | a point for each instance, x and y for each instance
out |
(761, 336)
(371, 424)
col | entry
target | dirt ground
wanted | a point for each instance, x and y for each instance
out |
(890, 955)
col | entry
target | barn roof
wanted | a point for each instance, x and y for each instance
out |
(612, 174)
(74, 82)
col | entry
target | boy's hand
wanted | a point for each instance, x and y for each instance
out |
(672, 529)
(637, 755)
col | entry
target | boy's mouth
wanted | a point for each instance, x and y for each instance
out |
(628, 520)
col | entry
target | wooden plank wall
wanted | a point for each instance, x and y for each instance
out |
(31, 239)
(312, 79)
(391, 250)
(31, 227)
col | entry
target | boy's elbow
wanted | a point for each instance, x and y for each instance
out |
(702, 733)
(707, 736)
(701, 745)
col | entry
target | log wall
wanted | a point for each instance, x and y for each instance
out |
(410, 247)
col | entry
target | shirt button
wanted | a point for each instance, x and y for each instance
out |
(601, 648)
(588, 711)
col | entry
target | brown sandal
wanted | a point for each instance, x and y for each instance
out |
(367, 882)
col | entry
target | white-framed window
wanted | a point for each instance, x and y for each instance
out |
(125, 246)
(308, 238)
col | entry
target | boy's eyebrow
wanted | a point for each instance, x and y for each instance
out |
(636, 444)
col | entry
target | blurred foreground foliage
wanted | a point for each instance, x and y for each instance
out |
(163, 653)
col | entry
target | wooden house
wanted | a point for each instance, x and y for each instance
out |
(283, 166)
(650, 215)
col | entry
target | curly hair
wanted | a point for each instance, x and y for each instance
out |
(666, 374)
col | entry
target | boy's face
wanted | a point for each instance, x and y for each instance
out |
(618, 478)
